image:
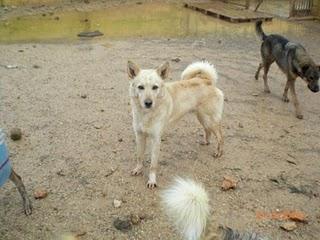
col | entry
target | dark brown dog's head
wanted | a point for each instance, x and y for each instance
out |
(311, 75)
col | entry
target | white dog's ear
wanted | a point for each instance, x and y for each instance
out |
(163, 70)
(133, 70)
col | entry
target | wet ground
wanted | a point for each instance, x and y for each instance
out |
(82, 149)
(155, 20)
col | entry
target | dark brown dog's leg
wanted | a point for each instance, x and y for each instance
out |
(258, 71)
(266, 68)
(285, 93)
(295, 99)
(16, 179)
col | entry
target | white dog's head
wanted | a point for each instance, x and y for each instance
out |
(147, 85)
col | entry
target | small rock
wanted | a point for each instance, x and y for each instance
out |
(298, 216)
(98, 125)
(110, 171)
(90, 34)
(84, 96)
(228, 183)
(226, 99)
(40, 194)
(61, 173)
(240, 125)
(255, 94)
(120, 140)
(124, 225)
(177, 59)
(86, 1)
(20, 50)
(117, 203)
(292, 162)
(219, 41)
(135, 219)
(102, 110)
(36, 66)
(15, 134)
(289, 226)
(43, 14)
(80, 234)
(56, 18)
(138, 3)
(11, 66)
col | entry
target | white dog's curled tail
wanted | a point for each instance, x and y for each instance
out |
(187, 204)
(200, 69)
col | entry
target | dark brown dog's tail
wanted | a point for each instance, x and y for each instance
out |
(259, 31)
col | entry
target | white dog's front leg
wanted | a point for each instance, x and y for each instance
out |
(141, 146)
(155, 151)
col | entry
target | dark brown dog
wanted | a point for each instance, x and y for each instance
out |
(292, 59)
(7, 172)
(16, 179)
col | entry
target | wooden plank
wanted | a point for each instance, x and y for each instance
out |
(227, 12)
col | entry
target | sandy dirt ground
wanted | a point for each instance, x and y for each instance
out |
(81, 150)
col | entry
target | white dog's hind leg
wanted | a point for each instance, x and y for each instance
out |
(155, 151)
(216, 129)
(207, 132)
(141, 146)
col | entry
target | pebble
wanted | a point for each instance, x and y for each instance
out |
(117, 203)
(135, 219)
(84, 96)
(228, 183)
(124, 225)
(298, 216)
(177, 59)
(289, 226)
(15, 134)
(40, 194)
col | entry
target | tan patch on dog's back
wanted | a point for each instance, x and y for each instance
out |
(195, 82)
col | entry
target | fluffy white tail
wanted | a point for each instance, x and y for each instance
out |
(203, 69)
(187, 204)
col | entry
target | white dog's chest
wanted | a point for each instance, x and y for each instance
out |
(147, 125)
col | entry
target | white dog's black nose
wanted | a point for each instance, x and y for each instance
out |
(148, 103)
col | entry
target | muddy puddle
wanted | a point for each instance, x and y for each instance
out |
(150, 20)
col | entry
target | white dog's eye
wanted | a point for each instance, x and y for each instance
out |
(141, 87)
(155, 87)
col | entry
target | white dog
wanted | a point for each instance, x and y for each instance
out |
(155, 104)
(186, 203)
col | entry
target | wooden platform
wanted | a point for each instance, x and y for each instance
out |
(228, 12)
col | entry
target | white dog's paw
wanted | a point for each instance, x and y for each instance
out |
(217, 154)
(204, 142)
(137, 171)
(152, 183)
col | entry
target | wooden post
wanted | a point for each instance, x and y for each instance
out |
(247, 4)
(258, 5)
(292, 8)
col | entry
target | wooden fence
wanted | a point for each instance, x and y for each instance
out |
(300, 8)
